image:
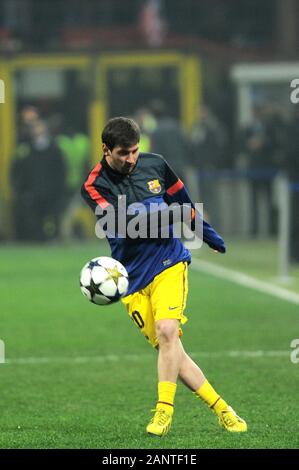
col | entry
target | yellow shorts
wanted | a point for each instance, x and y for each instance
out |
(164, 297)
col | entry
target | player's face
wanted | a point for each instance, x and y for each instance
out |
(122, 159)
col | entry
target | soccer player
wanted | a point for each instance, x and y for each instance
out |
(157, 267)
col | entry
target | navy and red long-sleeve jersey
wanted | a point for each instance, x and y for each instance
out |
(151, 181)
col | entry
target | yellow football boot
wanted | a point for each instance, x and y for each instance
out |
(160, 423)
(229, 419)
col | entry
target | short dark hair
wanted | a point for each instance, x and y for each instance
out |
(122, 132)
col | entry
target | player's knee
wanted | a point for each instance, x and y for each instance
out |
(167, 330)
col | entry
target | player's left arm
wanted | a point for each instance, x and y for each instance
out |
(177, 193)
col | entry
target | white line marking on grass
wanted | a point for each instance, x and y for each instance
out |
(139, 358)
(241, 354)
(245, 280)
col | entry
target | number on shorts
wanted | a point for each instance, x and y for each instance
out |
(138, 319)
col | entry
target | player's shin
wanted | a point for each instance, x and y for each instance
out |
(189, 373)
(168, 368)
(169, 358)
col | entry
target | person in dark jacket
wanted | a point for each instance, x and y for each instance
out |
(38, 183)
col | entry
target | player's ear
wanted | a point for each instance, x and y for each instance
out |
(105, 149)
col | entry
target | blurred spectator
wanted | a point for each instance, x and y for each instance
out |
(29, 115)
(152, 25)
(168, 138)
(276, 128)
(261, 149)
(208, 140)
(38, 184)
(208, 144)
(147, 124)
(255, 140)
(75, 148)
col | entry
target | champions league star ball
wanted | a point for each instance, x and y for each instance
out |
(104, 280)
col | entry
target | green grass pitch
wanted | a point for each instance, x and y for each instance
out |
(82, 376)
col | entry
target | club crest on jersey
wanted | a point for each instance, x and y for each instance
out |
(154, 186)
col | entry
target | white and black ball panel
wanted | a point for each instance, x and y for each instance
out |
(100, 299)
(85, 276)
(99, 274)
(108, 288)
(86, 292)
(104, 261)
(123, 285)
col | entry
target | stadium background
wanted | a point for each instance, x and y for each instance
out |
(210, 84)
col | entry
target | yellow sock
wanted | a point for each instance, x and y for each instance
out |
(166, 394)
(211, 397)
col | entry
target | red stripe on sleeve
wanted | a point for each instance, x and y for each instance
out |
(93, 193)
(175, 188)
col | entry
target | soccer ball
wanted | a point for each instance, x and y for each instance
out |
(104, 280)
